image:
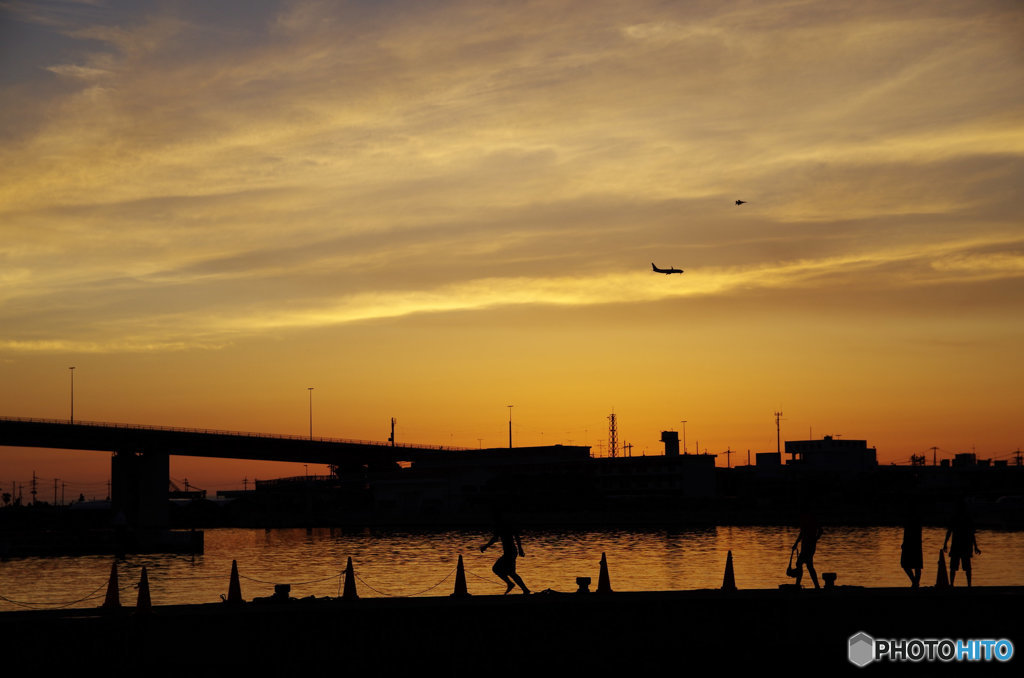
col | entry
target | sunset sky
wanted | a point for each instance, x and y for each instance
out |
(431, 210)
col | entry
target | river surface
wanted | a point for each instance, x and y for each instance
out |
(396, 563)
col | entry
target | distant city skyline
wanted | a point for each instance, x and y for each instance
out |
(431, 211)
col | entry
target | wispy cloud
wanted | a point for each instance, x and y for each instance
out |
(962, 262)
(328, 164)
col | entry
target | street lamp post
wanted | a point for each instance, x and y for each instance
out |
(310, 388)
(72, 370)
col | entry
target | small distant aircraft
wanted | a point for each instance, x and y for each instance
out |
(666, 271)
(741, 202)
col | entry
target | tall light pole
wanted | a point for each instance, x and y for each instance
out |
(684, 436)
(72, 370)
(509, 425)
(310, 388)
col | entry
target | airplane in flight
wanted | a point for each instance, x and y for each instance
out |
(666, 271)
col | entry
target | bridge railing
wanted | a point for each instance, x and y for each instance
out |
(244, 434)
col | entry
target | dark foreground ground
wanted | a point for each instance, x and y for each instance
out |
(801, 632)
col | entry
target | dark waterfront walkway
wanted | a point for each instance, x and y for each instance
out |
(646, 633)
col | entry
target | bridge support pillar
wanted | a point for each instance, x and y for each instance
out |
(139, 487)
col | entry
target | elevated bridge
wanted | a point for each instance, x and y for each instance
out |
(140, 462)
(194, 442)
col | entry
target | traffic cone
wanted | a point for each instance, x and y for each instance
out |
(234, 586)
(460, 581)
(113, 599)
(604, 584)
(350, 582)
(941, 580)
(144, 605)
(729, 581)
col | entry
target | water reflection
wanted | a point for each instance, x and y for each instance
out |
(423, 563)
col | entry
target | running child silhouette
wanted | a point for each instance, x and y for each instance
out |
(512, 546)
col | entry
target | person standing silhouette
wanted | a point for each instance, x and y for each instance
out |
(810, 533)
(965, 543)
(512, 546)
(911, 559)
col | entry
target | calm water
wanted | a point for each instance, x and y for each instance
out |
(417, 563)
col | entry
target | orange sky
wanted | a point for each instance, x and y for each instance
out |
(433, 210)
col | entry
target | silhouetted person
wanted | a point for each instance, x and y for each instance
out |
(810, 532)
(911, 559)
(965, 544)
(512, 546)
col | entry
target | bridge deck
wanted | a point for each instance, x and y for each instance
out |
(111, 437)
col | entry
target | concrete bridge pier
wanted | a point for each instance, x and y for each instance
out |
(139, 488)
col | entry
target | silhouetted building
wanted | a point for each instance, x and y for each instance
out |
(965, 459)
(671, 440)
(674, 477)
(829, 454)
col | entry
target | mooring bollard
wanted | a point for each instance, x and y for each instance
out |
(350, 582)
(461, 591)
(830, 579)
(729, 580)
(604, 584)
(584, 584)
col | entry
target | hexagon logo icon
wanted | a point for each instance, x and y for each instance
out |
(861, 649)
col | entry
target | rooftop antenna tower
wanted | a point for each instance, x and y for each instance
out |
(778, 433)
(613, 437)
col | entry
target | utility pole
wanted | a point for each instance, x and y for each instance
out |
(934, 450)
(728, 457)
(72, 370)
(55, 491)
(684, 436)
(510, 425)
(778, 434)
(33, 488)
(392, 438)
(627, 449)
